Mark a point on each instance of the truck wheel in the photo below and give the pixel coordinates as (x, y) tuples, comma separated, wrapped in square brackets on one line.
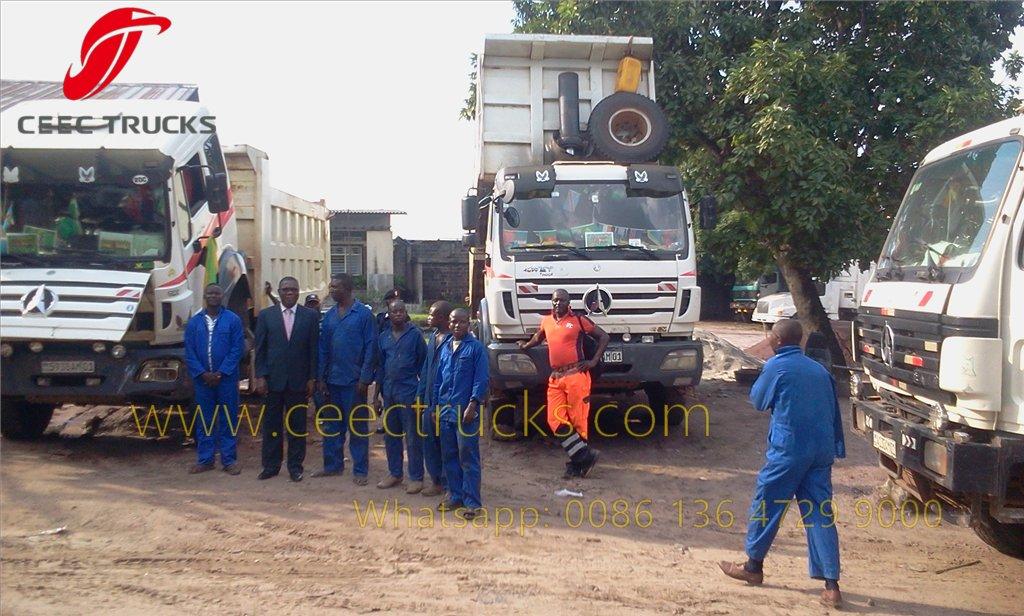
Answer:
[(507, 420), (659, 398), (1007, 538), (628, 127), (24, 421)]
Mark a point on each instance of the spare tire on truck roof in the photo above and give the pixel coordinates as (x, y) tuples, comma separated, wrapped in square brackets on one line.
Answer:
[(627, 127)]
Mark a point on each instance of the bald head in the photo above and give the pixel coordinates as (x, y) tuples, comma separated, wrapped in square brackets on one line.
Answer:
[(787, 332)]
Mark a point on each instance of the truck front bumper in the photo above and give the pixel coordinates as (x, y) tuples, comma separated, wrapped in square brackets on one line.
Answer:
[(670, 362), (966, 468), (63, 373)]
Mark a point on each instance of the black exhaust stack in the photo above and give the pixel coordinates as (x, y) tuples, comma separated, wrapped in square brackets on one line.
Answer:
[(569, 137)]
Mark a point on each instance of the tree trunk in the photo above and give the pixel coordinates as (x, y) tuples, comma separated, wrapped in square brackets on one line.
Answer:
[(809, 310)]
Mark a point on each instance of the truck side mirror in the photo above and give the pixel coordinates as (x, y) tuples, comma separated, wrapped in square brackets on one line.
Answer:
[(217, 193), (511, 216), (708, 209), (470, 212)]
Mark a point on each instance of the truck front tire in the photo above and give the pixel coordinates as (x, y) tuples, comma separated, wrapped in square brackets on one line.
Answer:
[(662, 399), (24, 421), (1006, 538)]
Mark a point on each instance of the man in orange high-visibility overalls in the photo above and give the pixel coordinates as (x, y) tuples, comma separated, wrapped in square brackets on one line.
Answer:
[(569, 384)]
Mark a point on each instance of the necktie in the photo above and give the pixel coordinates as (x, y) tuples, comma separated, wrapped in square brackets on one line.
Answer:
[(289, 318)]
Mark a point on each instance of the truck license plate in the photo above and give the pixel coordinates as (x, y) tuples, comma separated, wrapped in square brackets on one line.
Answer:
[(884, 444), (68, 367), (612, 357)]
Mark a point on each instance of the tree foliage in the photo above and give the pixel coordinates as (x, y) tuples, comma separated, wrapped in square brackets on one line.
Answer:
[(806, 119)]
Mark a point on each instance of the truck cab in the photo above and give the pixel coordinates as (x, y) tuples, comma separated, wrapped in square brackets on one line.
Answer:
[(109, 236), (940, 336), (569, 195), (622, 249)]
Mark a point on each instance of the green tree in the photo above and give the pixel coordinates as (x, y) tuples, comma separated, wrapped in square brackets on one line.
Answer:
[(806, 120)]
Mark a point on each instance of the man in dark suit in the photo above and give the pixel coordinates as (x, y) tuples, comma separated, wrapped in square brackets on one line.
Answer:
[(286, 361)]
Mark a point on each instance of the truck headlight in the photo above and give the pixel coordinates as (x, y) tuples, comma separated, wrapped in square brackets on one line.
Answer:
[(98, 347), (159, 371), (935, 457), (516, 363), (35, 346), (682, 359), (118, 351), (6, 350)]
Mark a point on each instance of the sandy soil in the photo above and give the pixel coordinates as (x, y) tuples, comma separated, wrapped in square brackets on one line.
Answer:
[(142, 536)]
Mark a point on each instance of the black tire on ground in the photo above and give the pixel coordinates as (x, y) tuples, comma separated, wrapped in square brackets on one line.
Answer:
[(661, 399), (24, 421), (1006, 538), (628, 127), (506, 421)]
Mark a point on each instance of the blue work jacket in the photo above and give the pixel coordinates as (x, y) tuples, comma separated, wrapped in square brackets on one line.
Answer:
[(425, 391), (462, 374), (399, 362), (228, 345), (347, 343), (806, 423)]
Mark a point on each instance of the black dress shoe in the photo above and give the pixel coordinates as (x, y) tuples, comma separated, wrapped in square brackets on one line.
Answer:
[(265, 474), (296, 477)]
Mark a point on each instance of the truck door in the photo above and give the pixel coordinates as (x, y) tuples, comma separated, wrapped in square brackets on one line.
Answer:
[(1013, 329)]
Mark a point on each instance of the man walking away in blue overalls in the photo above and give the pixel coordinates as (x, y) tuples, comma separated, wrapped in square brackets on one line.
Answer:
[(461, 390), (804, 437), (400, 355), (437, 320), (214, 344), (347, 339)]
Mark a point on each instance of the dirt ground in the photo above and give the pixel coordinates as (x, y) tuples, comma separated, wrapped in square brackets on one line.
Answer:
[(142, 536)]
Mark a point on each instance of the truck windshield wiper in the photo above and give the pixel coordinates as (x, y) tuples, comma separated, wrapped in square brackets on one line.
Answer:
[(894, 269), (934, 271), (650, 254), (574, 250)]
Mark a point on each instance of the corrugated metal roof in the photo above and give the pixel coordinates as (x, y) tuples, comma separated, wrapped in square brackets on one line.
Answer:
[(13, 92), (393, 212)]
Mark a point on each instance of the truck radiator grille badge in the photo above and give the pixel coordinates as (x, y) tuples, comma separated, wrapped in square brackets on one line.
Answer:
[(888, 341), (597, 300), (38, 301)]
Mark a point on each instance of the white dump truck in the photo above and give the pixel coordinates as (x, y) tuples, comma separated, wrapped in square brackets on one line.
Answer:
[(840, 296), (109, 236), (940, 336), (567, 195)]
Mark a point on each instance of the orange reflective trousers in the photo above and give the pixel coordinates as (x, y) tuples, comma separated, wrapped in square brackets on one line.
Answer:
[(569, 403)]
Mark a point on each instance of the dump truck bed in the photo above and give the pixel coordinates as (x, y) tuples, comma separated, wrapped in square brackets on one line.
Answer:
[(517, 90)]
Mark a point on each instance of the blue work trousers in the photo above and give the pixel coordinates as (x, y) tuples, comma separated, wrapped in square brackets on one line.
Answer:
[(216, 426), (780, 480), (460, 453), (401, 424), (346, 413)]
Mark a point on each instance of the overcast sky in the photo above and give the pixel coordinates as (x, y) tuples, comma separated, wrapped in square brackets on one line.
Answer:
[(356, 103)]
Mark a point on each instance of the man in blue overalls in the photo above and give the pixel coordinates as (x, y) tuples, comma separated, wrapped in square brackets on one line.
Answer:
[(347, 339), (400, 355), (437, 319), (461, 390), (804, 437), (214, 344)]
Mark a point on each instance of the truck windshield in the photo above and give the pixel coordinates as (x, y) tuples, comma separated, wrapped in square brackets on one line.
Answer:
[(57, 211), (949, 209), (596, 217)]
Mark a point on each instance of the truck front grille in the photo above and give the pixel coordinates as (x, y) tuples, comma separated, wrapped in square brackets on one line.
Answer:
[(902, 347)]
